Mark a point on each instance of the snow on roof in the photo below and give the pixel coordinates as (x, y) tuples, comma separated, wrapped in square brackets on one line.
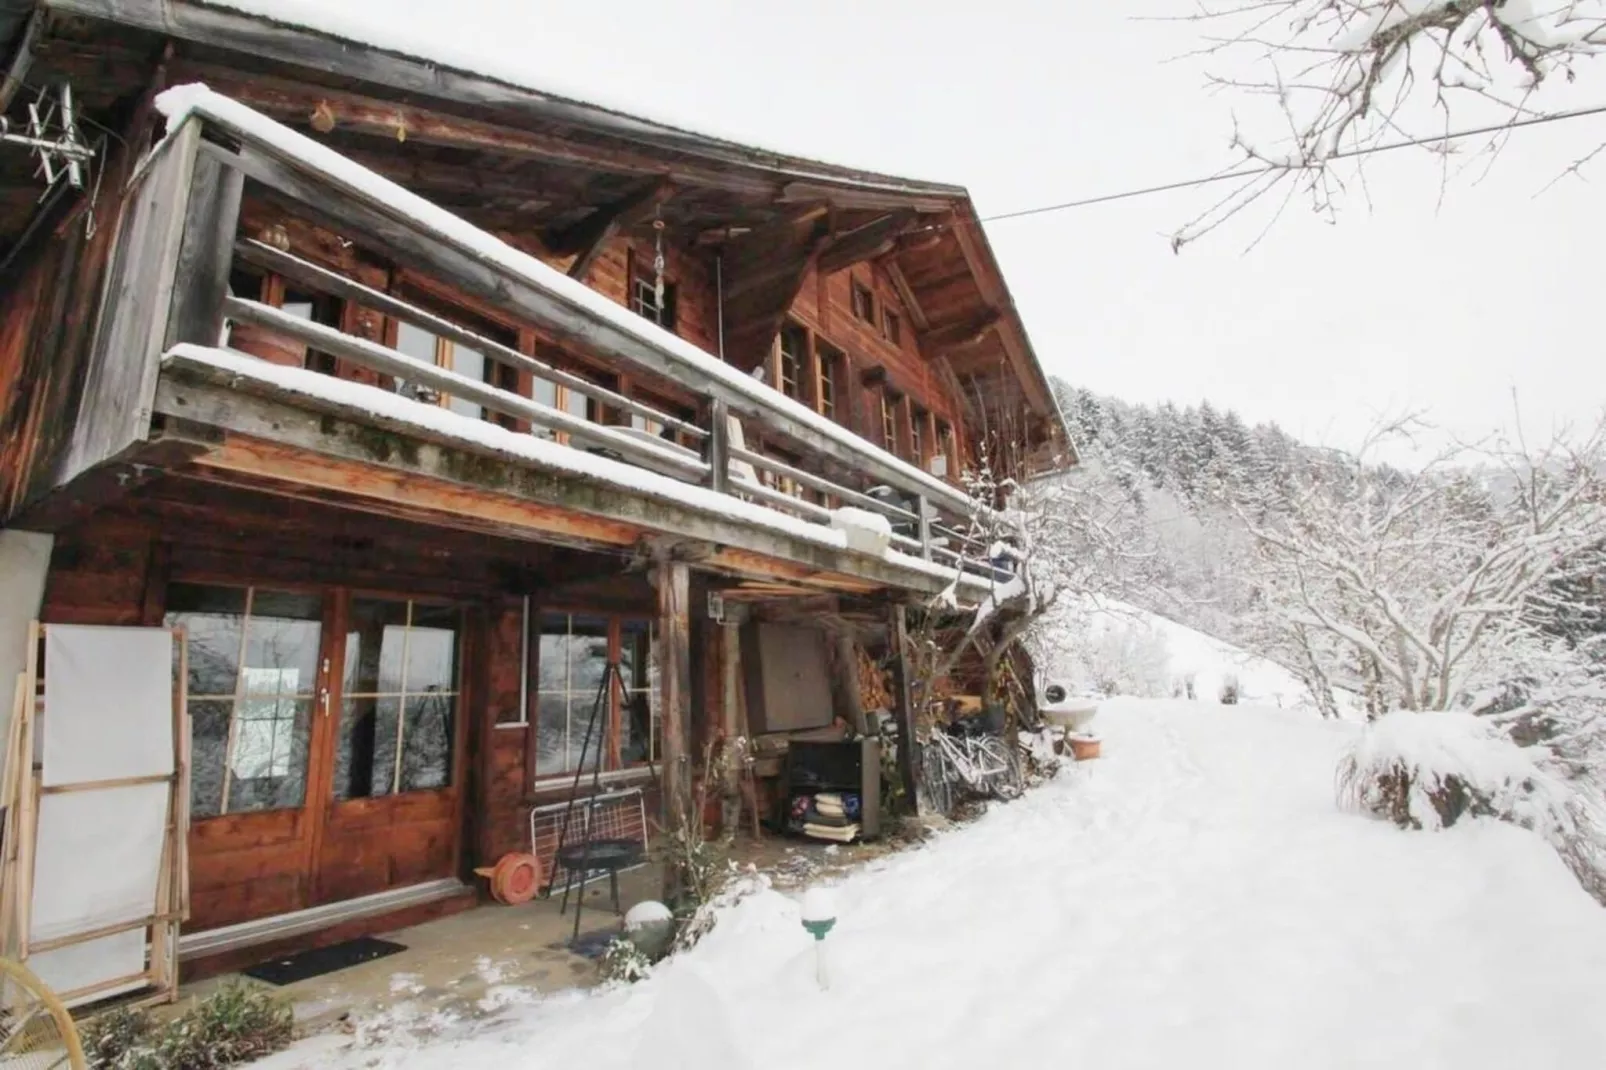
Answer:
[(181, 101), (482, 434), (491, 39)]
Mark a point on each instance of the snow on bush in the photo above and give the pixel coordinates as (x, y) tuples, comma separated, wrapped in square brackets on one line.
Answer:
[(1429, 770)]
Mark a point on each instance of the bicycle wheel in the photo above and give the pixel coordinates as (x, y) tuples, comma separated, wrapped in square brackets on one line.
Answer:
[(36, 1031)]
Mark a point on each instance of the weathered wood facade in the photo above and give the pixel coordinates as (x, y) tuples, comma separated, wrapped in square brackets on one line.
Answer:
[(271, 398)]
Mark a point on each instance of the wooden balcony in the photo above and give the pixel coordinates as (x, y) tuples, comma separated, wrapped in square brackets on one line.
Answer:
[(164, 389)]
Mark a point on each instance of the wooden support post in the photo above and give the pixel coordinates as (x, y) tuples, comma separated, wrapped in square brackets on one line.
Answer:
[(923, 526), (673, 654), (903, 703), (717, 447), (205, 253), (846, 666)]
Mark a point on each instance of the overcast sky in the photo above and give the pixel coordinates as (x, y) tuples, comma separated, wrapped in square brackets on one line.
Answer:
[(1402, 303)]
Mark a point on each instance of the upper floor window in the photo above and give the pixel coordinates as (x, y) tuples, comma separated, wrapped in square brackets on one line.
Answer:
[(790, 360), (891, 326), (889, 423), (430, 348), (917, 434), (645, 302), (942, 463), (863, 302), (828, 371)]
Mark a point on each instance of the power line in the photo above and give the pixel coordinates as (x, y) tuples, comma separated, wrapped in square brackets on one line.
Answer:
[(1266, 169)]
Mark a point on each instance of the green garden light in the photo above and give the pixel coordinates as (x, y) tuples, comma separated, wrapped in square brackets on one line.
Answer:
[(819, 917)]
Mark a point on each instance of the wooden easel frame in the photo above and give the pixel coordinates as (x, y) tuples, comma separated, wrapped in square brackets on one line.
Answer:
[(20, 794)]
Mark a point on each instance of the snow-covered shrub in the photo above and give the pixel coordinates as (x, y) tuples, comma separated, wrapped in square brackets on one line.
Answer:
[(1229, 690), (624, 962), (703, 919), (1430, 770), (1128, 659)]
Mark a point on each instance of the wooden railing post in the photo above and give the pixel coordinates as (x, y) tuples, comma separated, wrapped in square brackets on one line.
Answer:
[(716, 447), (923, 526), (205, 253)]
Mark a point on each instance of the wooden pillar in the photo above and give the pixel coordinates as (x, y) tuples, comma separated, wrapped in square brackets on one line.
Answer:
[(206, 252), (673, 655), (903, 706), (845, 664)]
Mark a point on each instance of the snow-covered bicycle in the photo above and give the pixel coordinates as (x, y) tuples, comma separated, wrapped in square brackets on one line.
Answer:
[(961, 764)]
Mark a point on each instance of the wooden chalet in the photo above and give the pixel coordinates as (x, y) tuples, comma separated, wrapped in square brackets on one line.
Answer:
[(444, 393)]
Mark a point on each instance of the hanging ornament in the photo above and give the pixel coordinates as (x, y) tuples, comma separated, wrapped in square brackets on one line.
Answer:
[(658, 262)]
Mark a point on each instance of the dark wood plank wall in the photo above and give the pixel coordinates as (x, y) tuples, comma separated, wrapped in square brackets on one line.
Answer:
[(47, 322), (114, 568)]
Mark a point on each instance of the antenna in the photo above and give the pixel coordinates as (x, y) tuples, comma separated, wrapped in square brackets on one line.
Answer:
[(52, 136)]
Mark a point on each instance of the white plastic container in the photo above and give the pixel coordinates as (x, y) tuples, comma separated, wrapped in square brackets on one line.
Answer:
[(1062, 709)]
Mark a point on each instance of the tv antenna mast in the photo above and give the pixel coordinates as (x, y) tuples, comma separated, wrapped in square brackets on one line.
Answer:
[(52, 136)]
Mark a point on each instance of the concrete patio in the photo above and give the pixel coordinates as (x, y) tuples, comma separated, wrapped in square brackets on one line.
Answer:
[(474, 963)]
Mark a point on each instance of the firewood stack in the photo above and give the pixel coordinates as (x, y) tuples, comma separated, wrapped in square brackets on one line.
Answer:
[(874, 691)]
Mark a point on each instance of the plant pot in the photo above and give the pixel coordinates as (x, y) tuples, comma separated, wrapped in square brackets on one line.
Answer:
[(1084, 748)]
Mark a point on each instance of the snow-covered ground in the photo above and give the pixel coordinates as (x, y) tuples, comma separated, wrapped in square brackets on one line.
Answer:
[(1146, 653), (1192, 898)]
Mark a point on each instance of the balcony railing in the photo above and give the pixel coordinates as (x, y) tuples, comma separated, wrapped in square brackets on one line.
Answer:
[(228, 143)]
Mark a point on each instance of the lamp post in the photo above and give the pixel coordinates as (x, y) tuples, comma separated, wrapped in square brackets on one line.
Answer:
[(819, 917)]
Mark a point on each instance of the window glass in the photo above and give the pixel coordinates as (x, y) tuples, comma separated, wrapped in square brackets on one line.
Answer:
[(573, 714), (399, 707), (253, 668)]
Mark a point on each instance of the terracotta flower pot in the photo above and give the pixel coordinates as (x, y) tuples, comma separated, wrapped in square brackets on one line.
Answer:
[(1084, 748)]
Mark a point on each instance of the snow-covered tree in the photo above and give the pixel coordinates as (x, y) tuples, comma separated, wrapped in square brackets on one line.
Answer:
[(1426, 581), (1345, 76)]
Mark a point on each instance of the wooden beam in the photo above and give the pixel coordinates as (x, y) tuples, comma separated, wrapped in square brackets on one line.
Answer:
[(587, 238), (906, 293), (766, 274), (294, 102), (888, 199), (672, 652), (863, 243), (333, 447), (942, 340)]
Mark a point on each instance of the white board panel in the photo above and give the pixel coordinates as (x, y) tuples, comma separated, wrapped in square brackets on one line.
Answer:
[(97, 859), (93, 962), (109, 703)]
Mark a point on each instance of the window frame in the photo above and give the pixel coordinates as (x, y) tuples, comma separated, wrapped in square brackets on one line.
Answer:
[(456, 695), (613, 767), (829, 364), (863, 302), (641, 283), (239, 694), (889, 422), (891, 326)]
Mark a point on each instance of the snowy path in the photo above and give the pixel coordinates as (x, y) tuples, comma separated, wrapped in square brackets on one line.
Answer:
[(1192, 898)]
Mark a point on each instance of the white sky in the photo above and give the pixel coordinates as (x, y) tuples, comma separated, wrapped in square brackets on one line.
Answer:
[(1321, 328)]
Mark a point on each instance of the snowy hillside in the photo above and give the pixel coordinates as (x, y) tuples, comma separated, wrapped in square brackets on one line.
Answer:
[(1192, 898), (1109, 645)]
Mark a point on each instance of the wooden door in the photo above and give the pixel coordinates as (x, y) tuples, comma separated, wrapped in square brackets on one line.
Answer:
[(326, 742), (393, 784), (259, 662)]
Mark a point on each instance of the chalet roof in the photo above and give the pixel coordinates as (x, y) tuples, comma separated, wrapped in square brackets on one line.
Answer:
[(506, 154)]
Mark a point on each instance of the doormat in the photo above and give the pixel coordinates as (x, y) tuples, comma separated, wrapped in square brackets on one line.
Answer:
[(322, 960)]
